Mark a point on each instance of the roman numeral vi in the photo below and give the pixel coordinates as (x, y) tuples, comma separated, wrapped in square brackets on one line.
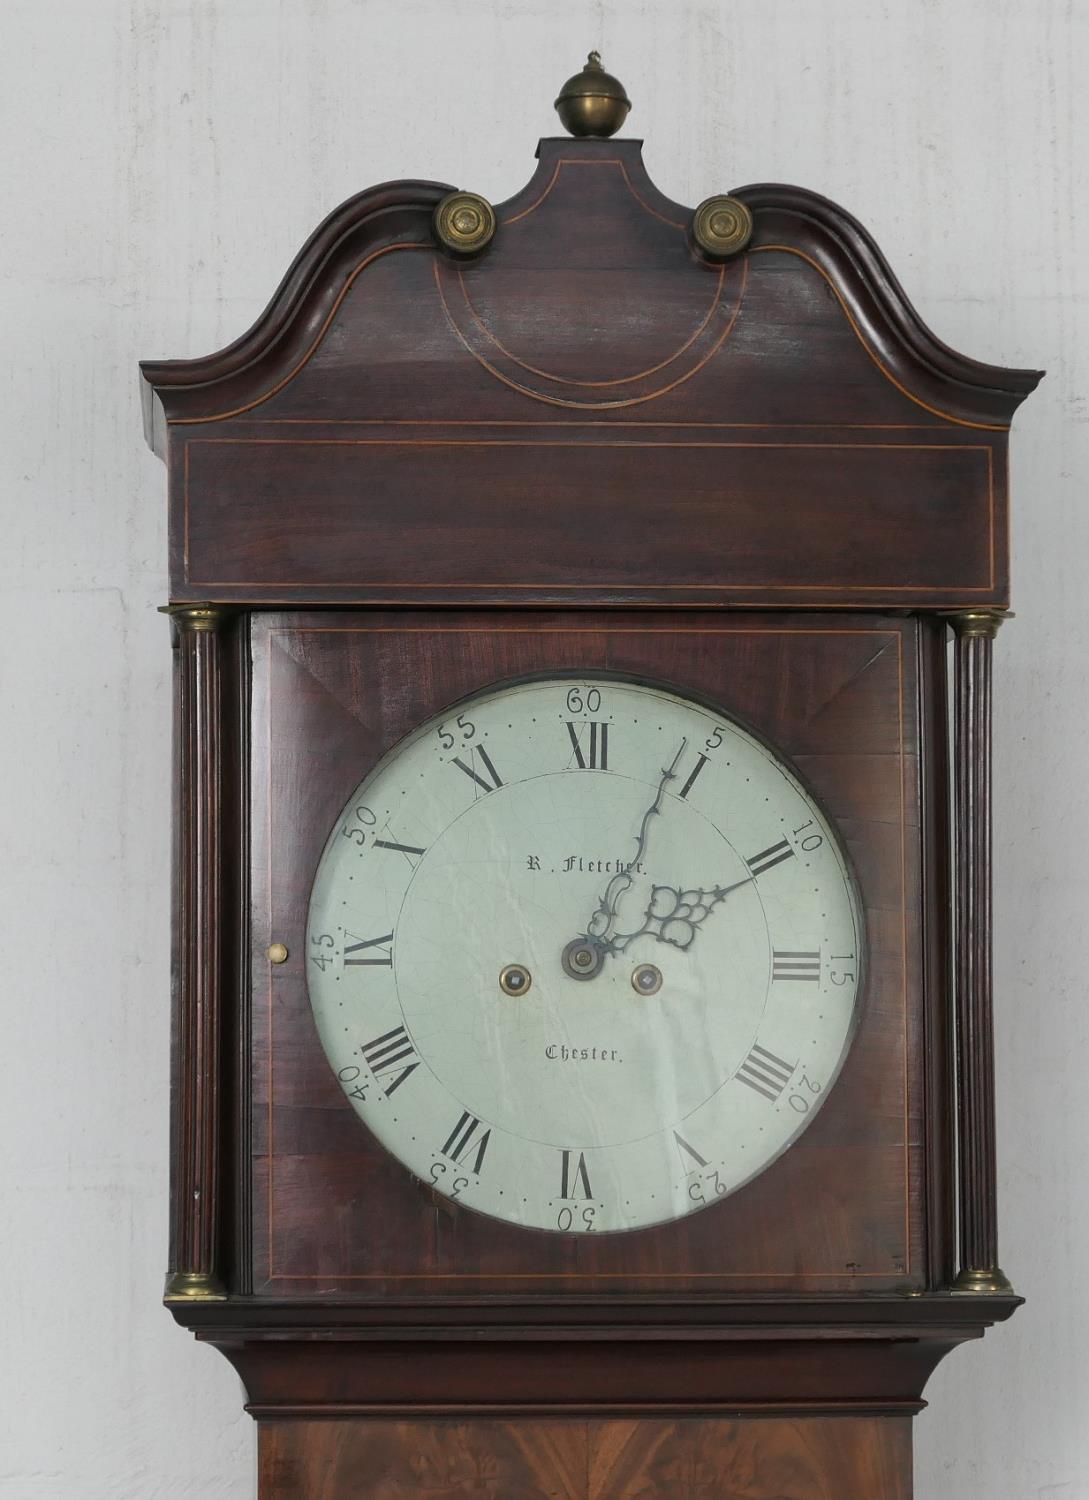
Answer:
[(575, 1182)]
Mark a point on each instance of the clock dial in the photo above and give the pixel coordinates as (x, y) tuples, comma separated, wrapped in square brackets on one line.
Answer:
[(584, 954)]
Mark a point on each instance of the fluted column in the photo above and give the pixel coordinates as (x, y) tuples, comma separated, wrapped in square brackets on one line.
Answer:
[(979, 1269), (195, 1101)]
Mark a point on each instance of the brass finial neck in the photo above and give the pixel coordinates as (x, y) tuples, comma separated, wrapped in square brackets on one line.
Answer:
[(593, 102)]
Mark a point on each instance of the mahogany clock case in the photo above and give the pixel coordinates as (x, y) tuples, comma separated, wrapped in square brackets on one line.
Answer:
[(859, 1202), (758, 479)]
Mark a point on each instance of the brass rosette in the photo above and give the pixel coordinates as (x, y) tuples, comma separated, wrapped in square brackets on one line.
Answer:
[(722, 226), (465, 223)]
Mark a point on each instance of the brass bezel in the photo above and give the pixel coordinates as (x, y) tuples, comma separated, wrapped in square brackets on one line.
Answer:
[(505, 975)]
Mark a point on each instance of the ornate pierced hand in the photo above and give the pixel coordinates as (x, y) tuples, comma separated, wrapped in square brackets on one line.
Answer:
[(673, 915)]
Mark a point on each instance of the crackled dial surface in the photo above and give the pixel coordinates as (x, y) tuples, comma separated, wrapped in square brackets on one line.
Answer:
[(584, 954)]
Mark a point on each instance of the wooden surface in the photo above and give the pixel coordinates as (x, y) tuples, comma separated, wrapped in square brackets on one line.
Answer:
[(846, 1209), (196, 1084), (188, 155), (581, 1363), (974, 998), (694, 1459), (589, 412)]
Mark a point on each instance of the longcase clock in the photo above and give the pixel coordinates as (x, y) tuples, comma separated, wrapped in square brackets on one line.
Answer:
[(582, 1047)]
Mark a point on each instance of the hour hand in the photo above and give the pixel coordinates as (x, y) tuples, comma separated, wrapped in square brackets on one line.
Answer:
[(674, 914), (605, 913)]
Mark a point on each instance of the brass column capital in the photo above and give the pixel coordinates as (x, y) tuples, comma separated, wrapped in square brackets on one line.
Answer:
[(188, 618), (977, 622)]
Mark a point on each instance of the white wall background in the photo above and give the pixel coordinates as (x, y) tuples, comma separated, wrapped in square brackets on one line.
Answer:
[(160, 163)]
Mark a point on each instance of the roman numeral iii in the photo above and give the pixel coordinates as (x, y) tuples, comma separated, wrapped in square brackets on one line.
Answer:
[(766, 1073), (790, 964), (388, 1057), (590, 742)]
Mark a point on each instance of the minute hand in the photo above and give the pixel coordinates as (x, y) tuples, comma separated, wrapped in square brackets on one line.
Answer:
[(604, 918)]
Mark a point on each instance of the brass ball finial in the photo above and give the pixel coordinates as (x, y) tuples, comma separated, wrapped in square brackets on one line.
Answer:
[(593, 102)]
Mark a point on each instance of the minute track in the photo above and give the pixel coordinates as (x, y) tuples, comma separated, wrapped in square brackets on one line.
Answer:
[(498, 864)]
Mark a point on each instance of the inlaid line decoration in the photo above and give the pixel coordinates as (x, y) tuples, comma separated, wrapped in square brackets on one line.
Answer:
[(319, 337), (864, 341), (603, 161), (693, 354), (662, 364), (549, 586), (237, 411)]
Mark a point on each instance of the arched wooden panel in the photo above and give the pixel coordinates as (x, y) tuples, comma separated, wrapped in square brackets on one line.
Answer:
[(589, 412)]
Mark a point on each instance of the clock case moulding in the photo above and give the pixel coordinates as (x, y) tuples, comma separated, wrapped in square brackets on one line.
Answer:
[(774, 430)]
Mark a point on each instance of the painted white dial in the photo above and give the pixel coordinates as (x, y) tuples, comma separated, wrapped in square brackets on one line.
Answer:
[(584, 954)]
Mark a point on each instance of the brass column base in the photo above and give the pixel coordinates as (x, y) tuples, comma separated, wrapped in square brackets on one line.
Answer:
[(193, 1286), (982, 1283)]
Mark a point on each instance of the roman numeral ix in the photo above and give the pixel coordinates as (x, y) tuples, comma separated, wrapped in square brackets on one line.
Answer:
[(384, 956)]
